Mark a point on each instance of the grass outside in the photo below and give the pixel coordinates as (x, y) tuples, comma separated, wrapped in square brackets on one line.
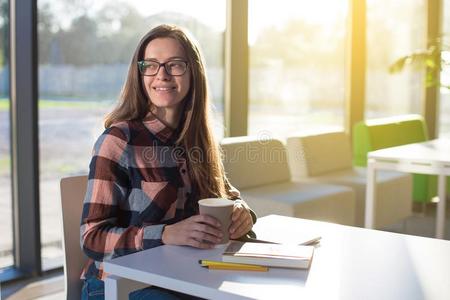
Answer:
[(5, 163), (4, 104), (44, 103)]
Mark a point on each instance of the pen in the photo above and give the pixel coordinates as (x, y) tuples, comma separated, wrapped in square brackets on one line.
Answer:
[(312, 242), (219, 265)]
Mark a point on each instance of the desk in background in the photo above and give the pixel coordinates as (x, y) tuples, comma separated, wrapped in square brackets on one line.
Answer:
[(432, 157)]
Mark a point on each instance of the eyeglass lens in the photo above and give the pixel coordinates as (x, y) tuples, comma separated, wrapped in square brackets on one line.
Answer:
[(172, 67)]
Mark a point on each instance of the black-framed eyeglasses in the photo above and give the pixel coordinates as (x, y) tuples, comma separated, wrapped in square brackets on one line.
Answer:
[(172, 67)]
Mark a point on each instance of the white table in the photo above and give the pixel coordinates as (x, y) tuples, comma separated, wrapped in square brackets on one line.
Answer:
[(432, 157), (350, 263)]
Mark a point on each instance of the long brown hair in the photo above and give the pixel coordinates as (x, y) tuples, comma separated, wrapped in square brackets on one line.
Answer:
[(195, 132)]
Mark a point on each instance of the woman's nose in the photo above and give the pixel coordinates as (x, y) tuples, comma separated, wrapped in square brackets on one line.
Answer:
[(162, 73)]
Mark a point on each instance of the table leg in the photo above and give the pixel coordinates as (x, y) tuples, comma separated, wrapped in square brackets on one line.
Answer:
[(119, 288), (370, 194), (440, 218), (112, 288)]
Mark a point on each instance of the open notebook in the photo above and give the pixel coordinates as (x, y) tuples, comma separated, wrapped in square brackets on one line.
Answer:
[(270, 255), (305, 240)]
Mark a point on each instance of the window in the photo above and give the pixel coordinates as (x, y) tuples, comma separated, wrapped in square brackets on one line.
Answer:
[(84, 51), (444, 104), (6, 242), (394, 29), (297, 66)]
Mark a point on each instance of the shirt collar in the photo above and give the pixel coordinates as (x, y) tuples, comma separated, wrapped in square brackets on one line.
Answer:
[(158, 128)]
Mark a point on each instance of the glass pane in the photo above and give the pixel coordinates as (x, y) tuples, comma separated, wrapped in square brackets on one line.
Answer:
[(85, 50), (444, 111), (6, 242), (297, 66), (394, 29)]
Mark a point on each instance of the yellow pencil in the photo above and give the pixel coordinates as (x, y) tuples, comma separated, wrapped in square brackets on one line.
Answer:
[(219, 265), (235, 268)]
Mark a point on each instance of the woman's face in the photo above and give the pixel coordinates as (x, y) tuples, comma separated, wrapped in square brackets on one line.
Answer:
[(165, 90)]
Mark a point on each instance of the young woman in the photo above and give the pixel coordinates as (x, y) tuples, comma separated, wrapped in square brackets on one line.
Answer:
[(155, 160)]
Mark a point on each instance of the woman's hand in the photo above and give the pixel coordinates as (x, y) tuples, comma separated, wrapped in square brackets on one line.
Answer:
[(241, 220), (200, 231)]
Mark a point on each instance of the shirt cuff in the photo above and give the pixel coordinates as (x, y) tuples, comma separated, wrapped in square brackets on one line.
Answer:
[(152, 236)]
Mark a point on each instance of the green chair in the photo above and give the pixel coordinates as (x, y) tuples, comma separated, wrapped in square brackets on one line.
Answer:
[(382, 133)]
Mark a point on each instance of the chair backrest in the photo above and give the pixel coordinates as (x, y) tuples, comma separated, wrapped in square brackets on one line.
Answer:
[(315, 155), (73, 190), (250, 162), (382, 133)]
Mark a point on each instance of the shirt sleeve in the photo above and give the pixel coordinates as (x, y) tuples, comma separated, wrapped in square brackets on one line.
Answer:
[(101, 234)]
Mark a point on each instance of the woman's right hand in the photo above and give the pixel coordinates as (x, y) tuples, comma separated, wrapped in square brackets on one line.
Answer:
[(199, 231)]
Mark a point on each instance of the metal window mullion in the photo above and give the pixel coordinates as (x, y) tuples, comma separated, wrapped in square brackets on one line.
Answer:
[(431, 101), (24, 135), (236, 68), (356, 64)]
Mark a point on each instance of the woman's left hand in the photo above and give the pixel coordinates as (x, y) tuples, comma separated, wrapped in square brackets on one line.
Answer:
[(241, 220)]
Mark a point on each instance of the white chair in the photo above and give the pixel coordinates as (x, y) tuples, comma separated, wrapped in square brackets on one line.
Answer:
[(259, 169), (326, 158), (73, 190)]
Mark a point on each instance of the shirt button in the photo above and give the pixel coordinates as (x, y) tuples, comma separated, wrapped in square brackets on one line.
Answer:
[(183, 171)]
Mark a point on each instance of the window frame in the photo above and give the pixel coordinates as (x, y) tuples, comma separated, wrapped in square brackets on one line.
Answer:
[(24, 140)]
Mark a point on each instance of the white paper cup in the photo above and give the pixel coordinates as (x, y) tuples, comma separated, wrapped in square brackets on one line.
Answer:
[(221, 209)]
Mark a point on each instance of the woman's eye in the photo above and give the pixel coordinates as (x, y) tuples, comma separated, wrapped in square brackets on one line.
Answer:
[(175, 65), (151, 66)]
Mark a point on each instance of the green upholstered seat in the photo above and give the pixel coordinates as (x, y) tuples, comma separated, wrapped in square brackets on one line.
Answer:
[(382, 133)]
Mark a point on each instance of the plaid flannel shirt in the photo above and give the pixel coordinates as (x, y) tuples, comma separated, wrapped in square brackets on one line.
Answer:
[(138, 182)]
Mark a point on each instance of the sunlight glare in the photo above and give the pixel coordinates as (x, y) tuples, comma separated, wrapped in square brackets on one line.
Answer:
[(264, 13)]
